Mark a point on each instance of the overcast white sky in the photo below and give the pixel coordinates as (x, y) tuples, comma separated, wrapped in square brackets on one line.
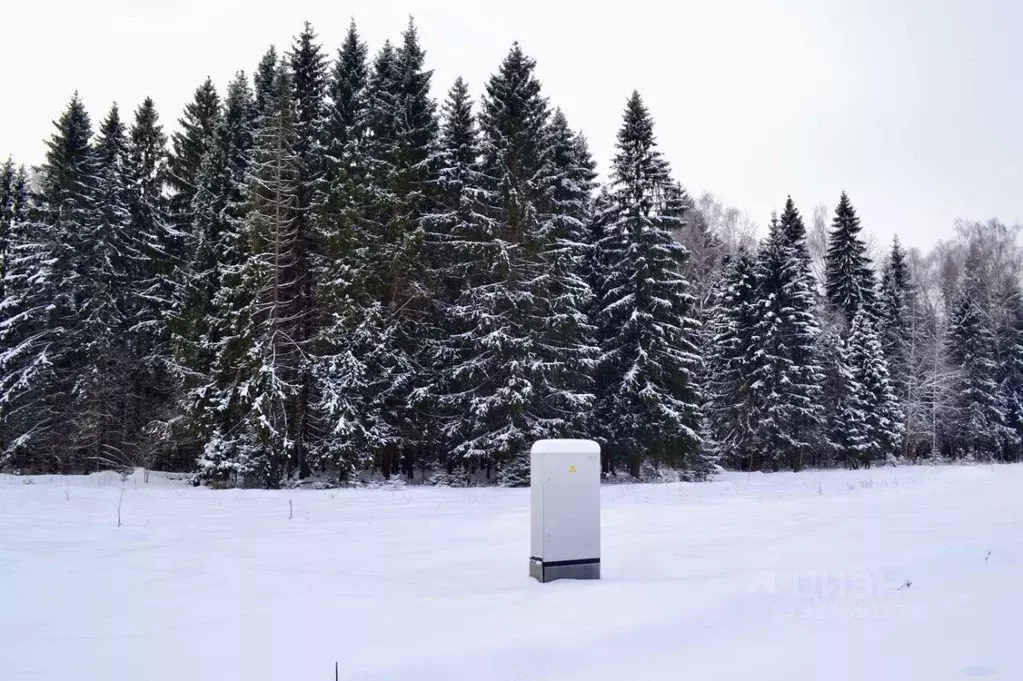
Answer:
[(915, 107)]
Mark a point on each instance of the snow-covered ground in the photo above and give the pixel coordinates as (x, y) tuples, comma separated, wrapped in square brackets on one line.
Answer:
[(907, 574)]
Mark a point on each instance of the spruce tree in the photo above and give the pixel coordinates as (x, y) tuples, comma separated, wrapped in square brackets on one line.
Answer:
[(13, 216), (401, 121), (268, 363), (13, 212), (500, 363), (6, 188), (352, 344), (188, 147), (974, 420), (570, 341), (347, 93), (348, 341), (162, 186), (455, 217), (575, 179), (850, 276), (896, 310), (844, 430), (358, 356), (309, 73), (41, 332), (650, 406), (597, 273), (22, 196), (729, 352), (6, 209), (208, 301), (787, 374), (876, 417), (794, 237), (1010, 372), (264, 81), (458, 179), (343, 164), (104, 405), (343, 159), (309, 68), (157, 247), (771, 366), (377, 124)]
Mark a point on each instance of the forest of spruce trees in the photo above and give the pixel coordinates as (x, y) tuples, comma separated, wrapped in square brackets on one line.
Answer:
[(324, 273)]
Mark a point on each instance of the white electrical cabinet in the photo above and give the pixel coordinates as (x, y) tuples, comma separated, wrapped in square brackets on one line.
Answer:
[(565, 488)]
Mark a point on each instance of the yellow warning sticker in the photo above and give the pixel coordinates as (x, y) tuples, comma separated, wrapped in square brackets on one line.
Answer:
[(571, 469)]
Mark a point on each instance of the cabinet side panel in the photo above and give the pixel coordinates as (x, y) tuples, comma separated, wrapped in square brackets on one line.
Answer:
[(536, 487)]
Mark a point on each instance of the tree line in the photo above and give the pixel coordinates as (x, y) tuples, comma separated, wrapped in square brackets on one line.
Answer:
[(323, 272)]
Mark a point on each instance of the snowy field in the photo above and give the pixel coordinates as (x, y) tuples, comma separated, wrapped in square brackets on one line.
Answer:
[(909, 574)]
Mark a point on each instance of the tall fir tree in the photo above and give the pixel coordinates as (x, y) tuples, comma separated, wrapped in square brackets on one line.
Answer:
[(158, 251), (343, 162), (455, 208), (849, 274), (360, 356), (1010, 371), (264, 81), (7, 170), (309, 69), (896, 306), (502, 371), (348, 421), (794, 237), (787, 374), (158, 248), (377, 124), (347, 93), (13, 213), (103, 427), (649, 403), (402, 123), (6, 214), (22, 196), (597, 267), (729, 410), (344, 167), (188, 147), (41, 333), (309, 73), (843, 430), (973, 421), (208, 300), (897, 324), (876, 416), (268, 361), (571, 337), (453, 220), (14, 204)]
